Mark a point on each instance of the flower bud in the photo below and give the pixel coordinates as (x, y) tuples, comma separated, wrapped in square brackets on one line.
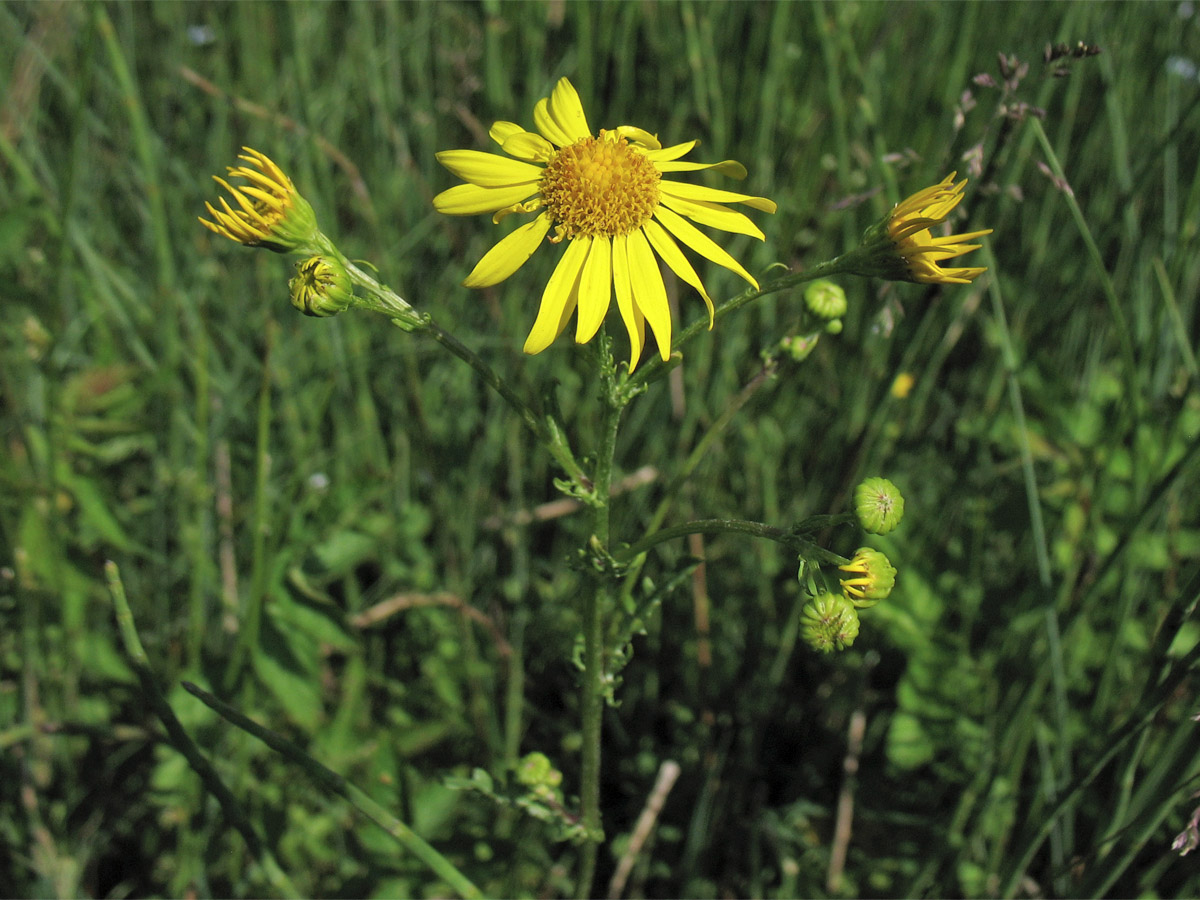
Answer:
[(825, 299), (901, 245), (829, 622), (871, 578), (322, 287), (270, 212), (878, 505)]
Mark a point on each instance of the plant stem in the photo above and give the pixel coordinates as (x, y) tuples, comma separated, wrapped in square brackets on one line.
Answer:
[(595, 606), (180, 740), (383, 299), (327, 778), (786, 536), (656, 367)]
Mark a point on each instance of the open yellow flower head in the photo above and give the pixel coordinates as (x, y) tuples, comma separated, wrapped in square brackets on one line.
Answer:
[(901, 247), (606, 196), (270, 211)]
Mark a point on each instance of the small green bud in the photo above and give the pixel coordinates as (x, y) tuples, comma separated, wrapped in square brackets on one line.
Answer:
[(825, 299), (878, 505), (799, 346), (833, 326), (322, 287), (536, 770), (871, 578), (829, 622)]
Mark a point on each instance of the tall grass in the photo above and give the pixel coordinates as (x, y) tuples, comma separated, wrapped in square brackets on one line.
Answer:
[(265, 482)]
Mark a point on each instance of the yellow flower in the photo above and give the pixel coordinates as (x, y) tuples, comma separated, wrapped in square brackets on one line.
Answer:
[(606, 195), (901, 247), (870, 578), (909, 228), (271, 212)]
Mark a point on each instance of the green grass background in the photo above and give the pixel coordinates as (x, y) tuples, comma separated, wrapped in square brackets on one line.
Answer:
[(1026, 690)]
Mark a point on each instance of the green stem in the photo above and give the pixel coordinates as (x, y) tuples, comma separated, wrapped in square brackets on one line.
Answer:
[(596, 604), (334, 782), (787, 536), (657, 367), (383, 299), (183, 743)]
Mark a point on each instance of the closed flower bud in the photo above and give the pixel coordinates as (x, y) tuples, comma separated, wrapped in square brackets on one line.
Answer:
[(829, 622), (322, 287), (878, 505), (825, 299), (870, 578)]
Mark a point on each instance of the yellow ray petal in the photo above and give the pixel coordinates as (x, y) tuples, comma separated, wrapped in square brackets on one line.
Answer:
[(673, 257), (554, 310), (548, 126), (635, 322), (502, 131), (700, 242), (528, 146), (595, 289), (649, 293), (567, 111), (712, 195), (715, 215), (730, 167), (644, 139), (509, 254), (488, 169), (470, 199), (674, 152)]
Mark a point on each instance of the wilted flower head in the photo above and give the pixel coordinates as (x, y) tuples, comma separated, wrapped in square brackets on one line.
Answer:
[(870, 577), (270, 211), (604, 194), (901, 246)]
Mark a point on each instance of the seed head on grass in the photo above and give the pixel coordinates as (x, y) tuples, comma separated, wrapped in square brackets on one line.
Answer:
[(606, 196), (271, 213)]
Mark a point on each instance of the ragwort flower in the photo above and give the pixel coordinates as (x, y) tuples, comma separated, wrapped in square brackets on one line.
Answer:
[(606, 196), (271, 213), (901, 246), (869, 578)]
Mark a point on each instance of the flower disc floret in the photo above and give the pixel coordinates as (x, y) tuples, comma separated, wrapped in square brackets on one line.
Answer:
[(600, 186)]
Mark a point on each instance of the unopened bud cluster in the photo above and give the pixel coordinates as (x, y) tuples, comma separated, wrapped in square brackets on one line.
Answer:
[(830, 621)]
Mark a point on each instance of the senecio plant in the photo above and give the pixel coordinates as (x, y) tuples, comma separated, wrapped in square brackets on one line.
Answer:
[(614, 201)]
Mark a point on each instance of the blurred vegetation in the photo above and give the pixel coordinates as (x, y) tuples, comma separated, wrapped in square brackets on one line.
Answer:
[(1024, 697)]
